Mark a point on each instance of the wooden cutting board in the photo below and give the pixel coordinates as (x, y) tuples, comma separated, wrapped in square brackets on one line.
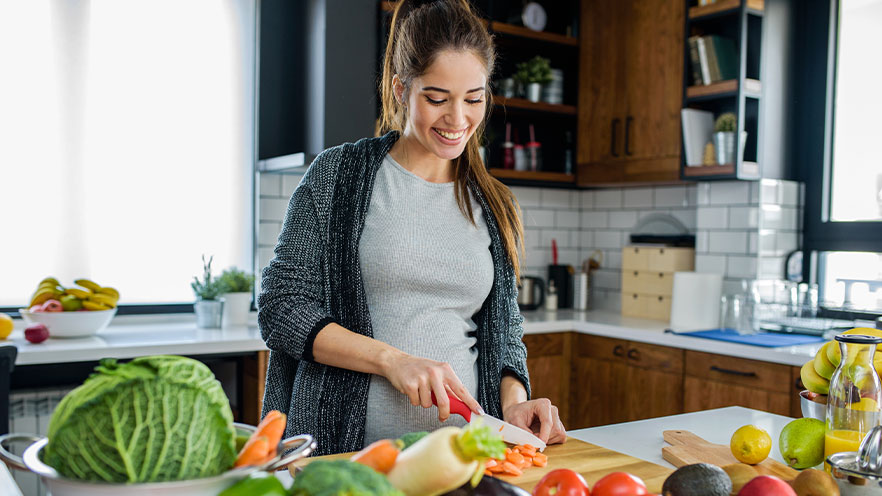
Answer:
[(686, 448), (593, 462)]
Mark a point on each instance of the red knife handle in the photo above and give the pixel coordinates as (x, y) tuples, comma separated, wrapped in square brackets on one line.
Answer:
[(456, 406)]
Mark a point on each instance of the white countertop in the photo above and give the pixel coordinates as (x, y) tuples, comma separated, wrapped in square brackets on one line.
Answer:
[(132, 336), (614, 325)]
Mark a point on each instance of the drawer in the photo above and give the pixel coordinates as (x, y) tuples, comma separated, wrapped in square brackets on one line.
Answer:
[(653, 356), (601, 348), (671, 259), (646, 282), (540, 345), (644, 306), (635, 258), (740, 371)]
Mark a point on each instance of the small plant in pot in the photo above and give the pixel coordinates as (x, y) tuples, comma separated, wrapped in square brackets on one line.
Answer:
[(236, 287), (208, 306), (724, 138), (532, 74)]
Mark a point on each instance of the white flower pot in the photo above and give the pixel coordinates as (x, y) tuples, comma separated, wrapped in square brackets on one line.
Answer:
[(534, 92), (208, 313), (236, 308)]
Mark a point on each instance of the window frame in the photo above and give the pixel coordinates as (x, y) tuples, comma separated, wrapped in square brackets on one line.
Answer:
[(815, 69)]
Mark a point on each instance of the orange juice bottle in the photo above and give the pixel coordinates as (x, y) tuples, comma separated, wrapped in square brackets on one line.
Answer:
[(854, 404)]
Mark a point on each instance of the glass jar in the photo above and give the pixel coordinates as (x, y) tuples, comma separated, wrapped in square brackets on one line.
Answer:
[(854, 404)]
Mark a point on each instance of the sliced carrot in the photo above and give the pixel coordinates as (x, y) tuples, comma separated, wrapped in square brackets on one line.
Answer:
[(491, 462), (380, 455), (510, 469), (540, 460), (496, 469), (527, 463), (528, 451), (515, 458), (488, 473), (507, 451), (529, 447)]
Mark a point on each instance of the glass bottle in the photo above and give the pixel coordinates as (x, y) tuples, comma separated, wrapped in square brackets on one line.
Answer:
[(854, 404)]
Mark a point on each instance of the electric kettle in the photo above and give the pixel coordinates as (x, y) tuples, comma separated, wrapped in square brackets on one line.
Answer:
[(528, 299)]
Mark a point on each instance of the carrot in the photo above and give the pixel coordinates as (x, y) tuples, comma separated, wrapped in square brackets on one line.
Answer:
[(540, 460), (515, 458), (528, 450), (510, 469), (270, 430), (380, 455), (487, 472), (491, 462)]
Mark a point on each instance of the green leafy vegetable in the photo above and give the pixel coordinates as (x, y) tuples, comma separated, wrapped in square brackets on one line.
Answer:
[(341, 478), (411, 437), (159, 418), (256, 484), (477, 442)]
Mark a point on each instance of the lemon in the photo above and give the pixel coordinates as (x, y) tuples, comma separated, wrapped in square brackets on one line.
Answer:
[(5, 326), (750, 444), (865, 405)]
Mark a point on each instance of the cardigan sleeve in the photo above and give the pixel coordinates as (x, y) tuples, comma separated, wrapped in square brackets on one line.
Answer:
[(514, 358), (290, 306)]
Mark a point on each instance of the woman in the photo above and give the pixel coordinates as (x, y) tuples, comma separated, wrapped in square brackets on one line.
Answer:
[(394, 278)]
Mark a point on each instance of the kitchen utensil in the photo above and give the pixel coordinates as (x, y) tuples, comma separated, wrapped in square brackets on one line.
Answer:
[(580, 291), (70, 324), (735, 314), (592, 461), (531, 294), (812, 409), (866, 462), (694, 301), (57, 485), (553, 251), (510, 433), (686, 449)]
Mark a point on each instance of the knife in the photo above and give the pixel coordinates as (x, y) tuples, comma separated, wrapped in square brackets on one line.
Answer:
[(510, 433)]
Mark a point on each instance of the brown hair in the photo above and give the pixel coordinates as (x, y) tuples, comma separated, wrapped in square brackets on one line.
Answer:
[(420, 31)]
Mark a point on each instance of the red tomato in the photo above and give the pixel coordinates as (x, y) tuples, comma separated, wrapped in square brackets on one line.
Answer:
[(620, 484), (562, 482)]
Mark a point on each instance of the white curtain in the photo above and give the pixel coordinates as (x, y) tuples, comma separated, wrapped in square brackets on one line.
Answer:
[(126, 143)]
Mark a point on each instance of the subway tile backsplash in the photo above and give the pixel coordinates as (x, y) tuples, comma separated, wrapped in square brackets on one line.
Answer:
[(743, 229)]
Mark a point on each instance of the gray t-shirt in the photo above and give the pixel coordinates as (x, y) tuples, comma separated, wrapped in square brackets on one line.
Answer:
[(427, 270)]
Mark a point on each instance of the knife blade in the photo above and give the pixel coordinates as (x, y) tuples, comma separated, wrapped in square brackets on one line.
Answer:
[(510, 433)]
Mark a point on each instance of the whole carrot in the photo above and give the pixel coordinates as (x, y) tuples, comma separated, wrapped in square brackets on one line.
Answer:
[(261, 446), (380, 455)]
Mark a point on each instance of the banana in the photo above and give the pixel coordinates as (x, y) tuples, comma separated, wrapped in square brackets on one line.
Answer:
[(812, 381), (51, 280), (94, 305), (109, 291), (79, 293), (103, 299), (42, 295), (87, 284)]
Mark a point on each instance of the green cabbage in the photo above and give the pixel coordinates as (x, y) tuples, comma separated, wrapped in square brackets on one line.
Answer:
[(159, 418)]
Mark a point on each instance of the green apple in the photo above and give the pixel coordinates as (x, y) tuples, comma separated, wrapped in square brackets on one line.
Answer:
[(71, 303)]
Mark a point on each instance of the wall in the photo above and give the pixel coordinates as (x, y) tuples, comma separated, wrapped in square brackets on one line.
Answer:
[(743, 230)]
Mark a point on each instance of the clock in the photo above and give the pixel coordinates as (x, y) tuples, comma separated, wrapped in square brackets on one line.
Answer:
[(534, 16)]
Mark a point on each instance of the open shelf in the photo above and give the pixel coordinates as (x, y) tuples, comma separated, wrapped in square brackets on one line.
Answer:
[(521, 103), (552, 177), (752, 89), (512, 30), (724, 7)]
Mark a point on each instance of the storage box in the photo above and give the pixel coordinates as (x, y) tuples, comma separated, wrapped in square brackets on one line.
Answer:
[(648, 279)]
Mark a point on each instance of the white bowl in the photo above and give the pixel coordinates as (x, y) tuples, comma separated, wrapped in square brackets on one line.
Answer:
[(70, 324)]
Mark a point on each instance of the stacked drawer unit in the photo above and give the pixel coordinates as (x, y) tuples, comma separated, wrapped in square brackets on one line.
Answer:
[(648, 279)]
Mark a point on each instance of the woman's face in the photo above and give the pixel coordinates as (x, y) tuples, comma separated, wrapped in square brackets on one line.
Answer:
[(446, 105)]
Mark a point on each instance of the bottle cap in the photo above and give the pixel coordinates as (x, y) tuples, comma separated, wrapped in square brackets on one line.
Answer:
[(858, 339)]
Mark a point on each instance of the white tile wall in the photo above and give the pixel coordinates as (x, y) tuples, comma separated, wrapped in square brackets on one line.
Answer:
[(735, 236)]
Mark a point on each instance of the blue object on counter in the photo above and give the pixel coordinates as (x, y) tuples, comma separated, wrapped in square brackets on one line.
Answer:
[(765, 339)]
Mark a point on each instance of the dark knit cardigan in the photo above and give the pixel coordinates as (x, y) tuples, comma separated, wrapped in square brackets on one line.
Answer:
[(315, 279)]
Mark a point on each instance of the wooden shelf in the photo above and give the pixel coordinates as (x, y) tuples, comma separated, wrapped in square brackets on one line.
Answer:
[(752, 88), (511, 29), (551, 177), (722, 6), (521, 103), (709, 170)]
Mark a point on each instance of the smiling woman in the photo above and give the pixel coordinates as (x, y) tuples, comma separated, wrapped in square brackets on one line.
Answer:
[(126, 143)]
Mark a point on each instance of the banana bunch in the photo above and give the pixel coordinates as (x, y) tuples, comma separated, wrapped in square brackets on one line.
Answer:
[(89, 295), (816, 373)]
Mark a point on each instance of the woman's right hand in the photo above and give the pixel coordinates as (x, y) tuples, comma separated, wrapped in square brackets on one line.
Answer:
[(418, 378)]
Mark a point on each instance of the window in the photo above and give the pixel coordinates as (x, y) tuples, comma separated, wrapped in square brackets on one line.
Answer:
[(844, 180), (126, 143)]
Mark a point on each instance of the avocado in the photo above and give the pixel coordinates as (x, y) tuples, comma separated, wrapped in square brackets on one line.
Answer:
[(700, 479)]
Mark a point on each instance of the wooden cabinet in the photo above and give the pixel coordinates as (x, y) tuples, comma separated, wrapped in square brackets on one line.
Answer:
[(549, 364), (631, 71), (716, 381), (620, 381)]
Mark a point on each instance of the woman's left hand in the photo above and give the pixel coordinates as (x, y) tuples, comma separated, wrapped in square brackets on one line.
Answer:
[(538, 416)]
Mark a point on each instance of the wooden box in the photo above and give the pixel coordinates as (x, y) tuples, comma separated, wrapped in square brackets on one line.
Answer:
[(648, 279)]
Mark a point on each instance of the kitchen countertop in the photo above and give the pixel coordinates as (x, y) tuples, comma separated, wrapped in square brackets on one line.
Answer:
[(132, 336)]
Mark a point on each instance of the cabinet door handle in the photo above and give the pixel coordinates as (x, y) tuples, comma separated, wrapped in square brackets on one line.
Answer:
[(619, 351), (798, 384), (732, 372), (633, 354), (612, 140), (628, 135)]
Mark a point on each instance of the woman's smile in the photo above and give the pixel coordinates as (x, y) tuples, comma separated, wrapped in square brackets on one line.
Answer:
[(449, 137)]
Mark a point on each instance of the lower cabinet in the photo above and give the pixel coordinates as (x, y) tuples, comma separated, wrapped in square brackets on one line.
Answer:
[(548, 361)]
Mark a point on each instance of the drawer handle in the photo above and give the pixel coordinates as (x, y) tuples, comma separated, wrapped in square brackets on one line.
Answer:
[(661, 274), (660, 298), (733, 372), (635, 273), (633, 354), (798, 384), (619, 351)]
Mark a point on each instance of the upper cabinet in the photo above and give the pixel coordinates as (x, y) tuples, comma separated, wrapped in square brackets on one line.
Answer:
[(630, 91)]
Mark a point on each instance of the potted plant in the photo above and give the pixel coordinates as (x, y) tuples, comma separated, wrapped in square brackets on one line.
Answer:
[(532, 74), (208, 306), (724, 138), (236, 287)]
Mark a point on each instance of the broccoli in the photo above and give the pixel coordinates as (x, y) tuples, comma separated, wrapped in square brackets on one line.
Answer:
[(412, 437), (341, 478)]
